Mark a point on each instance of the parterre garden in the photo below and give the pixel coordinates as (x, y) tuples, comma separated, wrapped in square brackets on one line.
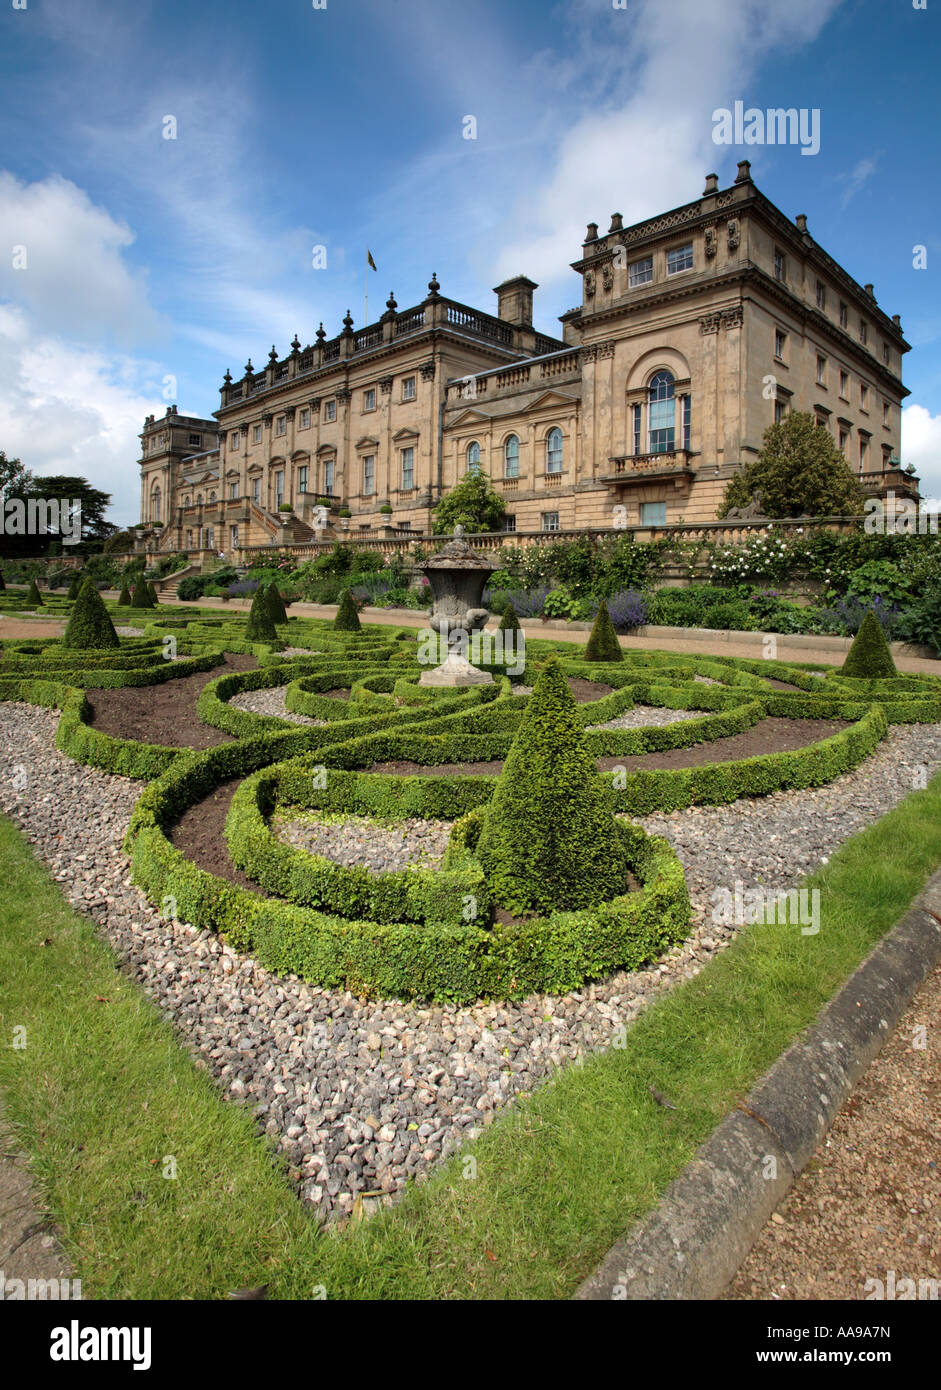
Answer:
[(547, 881)]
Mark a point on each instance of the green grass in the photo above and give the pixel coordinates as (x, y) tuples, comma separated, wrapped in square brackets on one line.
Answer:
[(103, 1092)]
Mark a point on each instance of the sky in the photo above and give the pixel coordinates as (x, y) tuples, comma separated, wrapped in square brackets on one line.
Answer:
[(153, 264)]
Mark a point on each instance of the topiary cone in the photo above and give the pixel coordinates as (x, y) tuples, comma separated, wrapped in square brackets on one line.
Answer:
[(89, 625), (152, 595), (140, 597), (33, 596), (347, 618), (550, 839), (260, 626), (276, 603), (509, 622), (124, 597), (3, 583), (869, 657), (603, 644), (75, 585)]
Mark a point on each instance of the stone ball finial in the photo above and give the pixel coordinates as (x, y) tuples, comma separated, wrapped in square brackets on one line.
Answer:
[(273, 354), (321, 333), (459, 532), (433, 285)]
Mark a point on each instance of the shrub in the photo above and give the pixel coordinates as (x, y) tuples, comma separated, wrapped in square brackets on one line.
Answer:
[(347, 618), (549, 837), (190, 587), (89, 624), (921, 621), (140, 598), (33, 596), (509, 622), (560, 603), (869, 657), (627, 610), (74, 588), (154, 597), (3, 583), (242, 588), (260, 626), (603, 644), (124, 597), (276, 604)]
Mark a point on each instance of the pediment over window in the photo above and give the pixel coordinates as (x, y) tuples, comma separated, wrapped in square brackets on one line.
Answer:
[(367, 442), (469, 417), (550, 400), (405, 434)]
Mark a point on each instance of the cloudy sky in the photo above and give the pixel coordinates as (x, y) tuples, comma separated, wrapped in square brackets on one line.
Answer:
[(153, 264)]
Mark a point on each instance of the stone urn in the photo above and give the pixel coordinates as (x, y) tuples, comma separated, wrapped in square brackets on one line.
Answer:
[(457, 575)]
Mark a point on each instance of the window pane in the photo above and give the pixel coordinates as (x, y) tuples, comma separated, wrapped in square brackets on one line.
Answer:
[(641, 272), (653, 513), (680, 258), (554, 451), (511, 455)]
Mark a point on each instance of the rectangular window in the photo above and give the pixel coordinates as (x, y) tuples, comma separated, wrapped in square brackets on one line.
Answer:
[(189, 540), (863, 332), (405, 526), (329, 410), (408, 468), (653, 513), (210, 538), (780, 343), (509, 523), (328, 471), (821, 295), (369, 399), (408, 388), (680, 258), (233, 491), (844, 315), (863, 397), (256, 434), (845, 385), (780, 265), (256, 489), (640, 273), (638, 433), (234, 440), (196, 440), (821, 371), (661, 416), (305, 419), (885, 413), (844, 440), (687, 420), (780, 410), (886, 354), (279, 488), (863, 452), (302, 478), (281, 425), (369, 475), (234, 536), (550, 521)]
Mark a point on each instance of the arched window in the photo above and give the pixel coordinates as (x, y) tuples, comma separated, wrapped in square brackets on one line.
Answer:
[(473, 457), (511, 457), (155, 504), (199, 499), (661, 414), (554, 451), (188, 501), (212, 497)]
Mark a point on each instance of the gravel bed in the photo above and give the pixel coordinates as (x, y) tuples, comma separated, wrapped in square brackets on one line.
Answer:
[(271, 701), (648, 717), (360, 840), (362, 1095), (129, 631)]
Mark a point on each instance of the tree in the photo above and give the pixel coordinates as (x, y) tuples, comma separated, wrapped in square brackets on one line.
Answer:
[(89, 624), (347, 618), (549, 838), (33, 597), (473, 504), (509, 622), (276, 603), (603, 644), (94, 503), (799, 472)]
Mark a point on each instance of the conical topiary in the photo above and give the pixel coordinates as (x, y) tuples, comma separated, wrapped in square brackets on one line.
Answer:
[(124, 597), (869, 657), (152, 592), (276, 603), (89, 624), (33, 596), (549, 838), (509, 621), (260, 626), (347, 618), (140, 597), (75, 585), (603, 644)]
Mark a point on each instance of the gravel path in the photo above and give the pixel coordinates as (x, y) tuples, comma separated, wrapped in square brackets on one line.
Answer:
[(869, 1201), (648, 717), (271, 701), (363, 1095), (360, 840)]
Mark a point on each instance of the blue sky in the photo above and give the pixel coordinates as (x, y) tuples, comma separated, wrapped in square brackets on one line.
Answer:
[(150, 258)]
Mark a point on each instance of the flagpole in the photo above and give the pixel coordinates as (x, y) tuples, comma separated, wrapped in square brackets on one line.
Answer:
[(366, 295)]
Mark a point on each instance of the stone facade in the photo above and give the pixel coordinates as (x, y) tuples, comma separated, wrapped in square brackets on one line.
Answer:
[(695, 331)]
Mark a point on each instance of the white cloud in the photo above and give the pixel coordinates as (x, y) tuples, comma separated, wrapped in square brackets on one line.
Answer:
[(857, 178), (648, 145), (75, 279), (921, 445)]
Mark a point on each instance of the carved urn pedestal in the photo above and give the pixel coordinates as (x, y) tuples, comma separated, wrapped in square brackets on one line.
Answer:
[(457, 575)]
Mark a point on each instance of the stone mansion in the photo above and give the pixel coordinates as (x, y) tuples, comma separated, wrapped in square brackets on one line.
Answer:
[(695, 331)]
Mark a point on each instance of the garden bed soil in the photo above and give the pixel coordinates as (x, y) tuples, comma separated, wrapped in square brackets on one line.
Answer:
[(164, 714), (768, 736), (199, 835)]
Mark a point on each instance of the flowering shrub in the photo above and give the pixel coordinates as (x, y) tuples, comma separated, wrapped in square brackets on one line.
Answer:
[(627, 610), (767, 555)]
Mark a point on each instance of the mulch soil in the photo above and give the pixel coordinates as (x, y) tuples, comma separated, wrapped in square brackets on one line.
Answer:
[(199, 835), (768, 736), (164, 714)]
